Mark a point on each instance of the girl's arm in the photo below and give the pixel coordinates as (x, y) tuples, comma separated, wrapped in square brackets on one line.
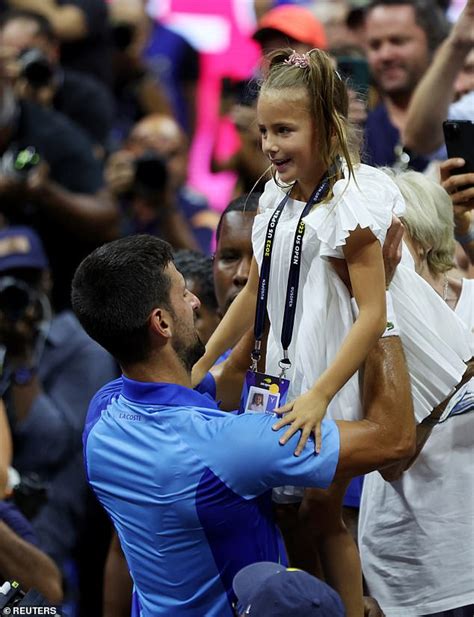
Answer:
[(363, 255), (237, 320)]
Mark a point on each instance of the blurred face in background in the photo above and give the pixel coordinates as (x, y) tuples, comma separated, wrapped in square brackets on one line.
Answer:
[(397, 49), (206, 318), (23, 33), (465, 80), (233, 257), (163, 135)]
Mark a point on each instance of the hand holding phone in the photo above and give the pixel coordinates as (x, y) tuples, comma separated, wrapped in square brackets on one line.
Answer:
[(459, 138), (459, 185)]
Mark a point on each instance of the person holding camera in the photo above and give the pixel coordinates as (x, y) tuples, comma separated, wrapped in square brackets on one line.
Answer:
[(148, 177), (50, 370), (82, 28), (50, 180), (34, 48)]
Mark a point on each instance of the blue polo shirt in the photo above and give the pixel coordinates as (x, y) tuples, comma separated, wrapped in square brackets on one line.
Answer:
[(188, 489)]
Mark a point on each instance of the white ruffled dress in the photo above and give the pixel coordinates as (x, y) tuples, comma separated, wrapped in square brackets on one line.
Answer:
[(435, 340)]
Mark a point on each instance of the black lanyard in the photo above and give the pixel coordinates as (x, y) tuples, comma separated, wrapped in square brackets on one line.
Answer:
[(293, 276)]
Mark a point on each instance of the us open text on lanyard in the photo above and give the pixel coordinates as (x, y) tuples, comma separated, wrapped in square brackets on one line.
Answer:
[(317, 196)]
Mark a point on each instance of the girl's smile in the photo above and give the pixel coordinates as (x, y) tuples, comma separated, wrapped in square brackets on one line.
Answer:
[(289, 137)]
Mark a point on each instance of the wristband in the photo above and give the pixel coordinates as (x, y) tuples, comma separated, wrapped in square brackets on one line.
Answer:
[(391, 329)]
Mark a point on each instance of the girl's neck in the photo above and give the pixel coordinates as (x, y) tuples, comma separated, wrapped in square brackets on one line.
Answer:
[(302, 191)]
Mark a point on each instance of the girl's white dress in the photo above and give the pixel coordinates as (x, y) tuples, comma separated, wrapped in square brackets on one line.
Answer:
[(435, 340)]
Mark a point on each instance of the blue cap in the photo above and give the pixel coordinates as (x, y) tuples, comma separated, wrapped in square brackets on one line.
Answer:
[(267, 589), (21, 247)]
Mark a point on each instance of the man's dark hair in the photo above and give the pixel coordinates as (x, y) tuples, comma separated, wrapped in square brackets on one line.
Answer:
[(428, 16), (115, 289), (45, 28), (197, 267), (245, 203)]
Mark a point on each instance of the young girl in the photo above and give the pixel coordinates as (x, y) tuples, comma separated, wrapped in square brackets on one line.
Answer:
[(302, 116)]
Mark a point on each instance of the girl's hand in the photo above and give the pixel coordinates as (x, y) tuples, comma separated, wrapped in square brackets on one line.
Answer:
[(304, 413)]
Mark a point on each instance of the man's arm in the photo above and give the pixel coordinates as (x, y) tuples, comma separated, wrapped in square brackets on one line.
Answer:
[(387, 432), (423, 131), (117, 582), (23, 562)]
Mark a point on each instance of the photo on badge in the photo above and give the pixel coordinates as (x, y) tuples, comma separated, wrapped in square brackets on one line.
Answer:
[(257, 400), (263, 393)]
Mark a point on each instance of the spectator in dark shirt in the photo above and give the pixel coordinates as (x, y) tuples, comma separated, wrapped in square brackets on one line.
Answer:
[(402, 36), (84, 99), (63, 195), (51, 370)]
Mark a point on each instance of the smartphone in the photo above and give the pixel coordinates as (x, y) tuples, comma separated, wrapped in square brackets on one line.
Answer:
[(459, 138), (356, 70)]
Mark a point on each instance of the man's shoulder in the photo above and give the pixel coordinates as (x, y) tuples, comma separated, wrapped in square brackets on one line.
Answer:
[(107, 393), (101, 399)]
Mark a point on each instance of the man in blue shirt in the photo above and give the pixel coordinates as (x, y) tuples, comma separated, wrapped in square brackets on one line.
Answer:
[(186, 485)]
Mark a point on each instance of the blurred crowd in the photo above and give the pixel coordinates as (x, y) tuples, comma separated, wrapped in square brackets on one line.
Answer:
[(115, 120)]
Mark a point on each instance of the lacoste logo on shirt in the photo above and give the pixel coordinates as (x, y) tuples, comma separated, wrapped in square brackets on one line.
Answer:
[(130, 416)]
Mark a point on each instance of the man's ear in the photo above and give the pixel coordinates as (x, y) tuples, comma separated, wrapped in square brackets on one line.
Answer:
[(160, 323)]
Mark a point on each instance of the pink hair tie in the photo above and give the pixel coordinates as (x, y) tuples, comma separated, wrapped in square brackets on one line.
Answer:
[(300, 60)]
